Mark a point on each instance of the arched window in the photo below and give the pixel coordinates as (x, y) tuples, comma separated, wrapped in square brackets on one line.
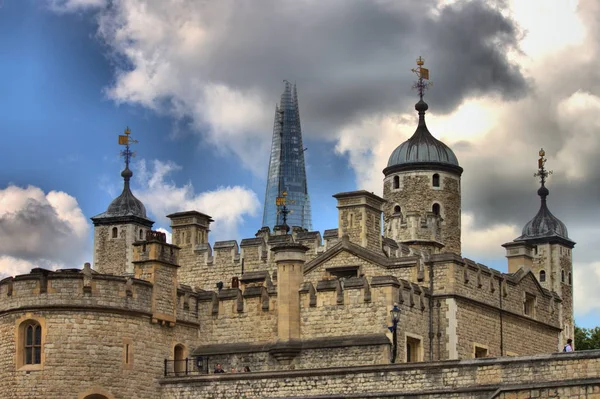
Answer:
[(32, 348), (562, 276), (542, 276), (435, 209), (179, 358), (570, 281), (397, 209), (396, 181), (436, 180), (141, 234), (115, 232)]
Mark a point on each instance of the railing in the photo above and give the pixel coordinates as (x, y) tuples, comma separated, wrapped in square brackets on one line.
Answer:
[(181, 367)]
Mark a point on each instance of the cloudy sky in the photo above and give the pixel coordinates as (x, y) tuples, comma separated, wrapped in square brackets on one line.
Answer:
[(197, 83)]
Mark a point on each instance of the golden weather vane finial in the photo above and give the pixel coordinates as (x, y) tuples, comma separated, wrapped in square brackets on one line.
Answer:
[(542, 173), (422, 74), (126, 140)]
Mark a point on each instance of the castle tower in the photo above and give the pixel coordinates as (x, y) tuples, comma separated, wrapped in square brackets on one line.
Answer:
[(156, 261), (190, 233), (287, 171), (544, 248), (422, 188), (359, 217), (123, 223)]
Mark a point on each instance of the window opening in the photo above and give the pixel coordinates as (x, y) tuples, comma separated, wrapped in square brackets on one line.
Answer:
[(33, 344), (436, 180), (480, 352)]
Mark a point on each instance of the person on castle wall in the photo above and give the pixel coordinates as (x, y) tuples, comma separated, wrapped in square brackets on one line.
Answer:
[(218, 369), (233, 370), (246, 369), (569, 346)]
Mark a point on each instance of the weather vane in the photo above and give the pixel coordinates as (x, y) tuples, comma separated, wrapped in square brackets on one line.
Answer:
[(282, 203), (423, 74), (542, 173), (126, 140)]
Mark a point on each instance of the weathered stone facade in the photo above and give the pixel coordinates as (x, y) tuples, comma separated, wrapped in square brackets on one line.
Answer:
[(410, 212), (573, 375), (309, 315)]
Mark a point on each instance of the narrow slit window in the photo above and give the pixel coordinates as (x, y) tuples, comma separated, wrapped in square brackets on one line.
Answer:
[(436, 180)]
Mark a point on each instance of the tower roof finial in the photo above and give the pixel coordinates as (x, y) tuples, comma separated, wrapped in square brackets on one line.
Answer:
[(127, 153), (543, 174), (422, 74)]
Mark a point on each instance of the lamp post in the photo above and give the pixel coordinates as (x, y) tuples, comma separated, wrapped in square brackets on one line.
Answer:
[(395, 313)]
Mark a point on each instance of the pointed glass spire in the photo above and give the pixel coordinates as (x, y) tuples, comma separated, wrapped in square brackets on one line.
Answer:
[(287, 173)]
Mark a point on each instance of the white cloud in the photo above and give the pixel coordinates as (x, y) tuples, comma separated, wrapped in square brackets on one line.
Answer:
[(228, 206), (578, 117), (485, 242), (40, 230), (586, 280)]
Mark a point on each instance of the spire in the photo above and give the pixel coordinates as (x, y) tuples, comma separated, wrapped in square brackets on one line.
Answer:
[(286, 198), (544, 225), (543, 174), (125, 205), (420, 85)]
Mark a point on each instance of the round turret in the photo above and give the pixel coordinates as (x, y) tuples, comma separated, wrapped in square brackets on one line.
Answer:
[(422, 190)]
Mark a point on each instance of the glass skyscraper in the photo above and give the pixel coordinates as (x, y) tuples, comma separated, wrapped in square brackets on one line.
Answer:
[(287, 173)]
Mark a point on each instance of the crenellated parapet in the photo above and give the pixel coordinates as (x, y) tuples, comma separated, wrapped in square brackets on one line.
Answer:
[(519, 294), (75, 288)]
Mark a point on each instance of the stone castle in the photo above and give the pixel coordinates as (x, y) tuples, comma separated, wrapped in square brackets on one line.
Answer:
[(308, 314)]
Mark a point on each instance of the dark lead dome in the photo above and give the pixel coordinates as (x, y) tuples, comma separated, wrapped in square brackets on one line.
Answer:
[(422, 148), (544, 224), (125, 206)]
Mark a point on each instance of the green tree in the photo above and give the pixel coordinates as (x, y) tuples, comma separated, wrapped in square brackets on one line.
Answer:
[(587, 338)]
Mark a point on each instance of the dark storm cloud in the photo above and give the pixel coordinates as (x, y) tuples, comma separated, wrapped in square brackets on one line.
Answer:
[(35, 231), (353, 58)]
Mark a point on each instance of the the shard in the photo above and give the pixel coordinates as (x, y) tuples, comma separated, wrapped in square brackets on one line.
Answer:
[(287, 172)]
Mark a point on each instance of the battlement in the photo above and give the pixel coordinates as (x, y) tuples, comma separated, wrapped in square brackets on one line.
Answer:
[(518, 293), (85, 288), (75, 288), (205, 266)]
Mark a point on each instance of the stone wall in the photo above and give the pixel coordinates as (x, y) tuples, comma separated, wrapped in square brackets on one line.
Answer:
[(577, 374), (230, 317), (110, 253), (84, 350)]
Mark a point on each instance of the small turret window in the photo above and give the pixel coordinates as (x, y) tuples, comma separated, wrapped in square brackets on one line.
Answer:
[(570, 281), (542, 276), (435, 180), (141, 234), (115, 232), (396, 181), (397, 209), (562, 276), (435, 209)]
